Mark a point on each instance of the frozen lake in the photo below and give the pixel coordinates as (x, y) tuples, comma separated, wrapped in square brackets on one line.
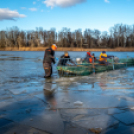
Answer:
[(105, 99)]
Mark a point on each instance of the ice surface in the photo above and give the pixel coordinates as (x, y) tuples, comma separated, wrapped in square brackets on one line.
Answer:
[(120, 130), (15, 128), (25, 96), (96, 123), (74, 111), (6, 97), (23, 104), (127, 117), (18, 91), (75, 130), (49, 122), (4, 122), (112, 111), (126, 98), (50, 86), (78, 103), (78, 117), (89, 100)]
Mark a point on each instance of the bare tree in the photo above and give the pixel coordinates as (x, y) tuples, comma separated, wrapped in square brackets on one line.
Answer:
[(21, 40), (97, 37), (78, 36), (2, 39), (104, 39), (119, 36)]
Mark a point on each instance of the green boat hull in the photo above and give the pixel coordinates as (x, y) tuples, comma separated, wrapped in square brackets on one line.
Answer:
[(86, 68)]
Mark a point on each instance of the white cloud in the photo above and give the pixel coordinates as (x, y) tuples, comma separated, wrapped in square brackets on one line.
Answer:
[(6, 14), (107, 1), (62, 3), (42, 10), (23, 8), (33, 9), (34, 2)]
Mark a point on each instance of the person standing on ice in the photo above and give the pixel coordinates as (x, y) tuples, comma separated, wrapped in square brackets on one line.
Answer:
[(48, 60)]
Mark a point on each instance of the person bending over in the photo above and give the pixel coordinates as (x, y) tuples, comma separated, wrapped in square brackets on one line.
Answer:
[(64, 59)]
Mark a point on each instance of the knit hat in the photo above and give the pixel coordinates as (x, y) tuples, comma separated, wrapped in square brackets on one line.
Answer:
[(103, 52)]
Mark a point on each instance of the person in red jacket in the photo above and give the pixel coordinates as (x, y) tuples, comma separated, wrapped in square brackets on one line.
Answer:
[(90, 57)]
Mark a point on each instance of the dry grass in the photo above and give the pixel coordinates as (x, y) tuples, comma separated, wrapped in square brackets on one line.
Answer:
[(119, 49)]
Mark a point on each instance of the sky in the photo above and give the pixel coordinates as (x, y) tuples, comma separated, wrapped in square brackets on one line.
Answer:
[(73, 14)]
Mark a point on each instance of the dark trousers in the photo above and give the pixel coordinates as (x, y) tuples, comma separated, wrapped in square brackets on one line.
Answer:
[(103, 62), (48, 69)]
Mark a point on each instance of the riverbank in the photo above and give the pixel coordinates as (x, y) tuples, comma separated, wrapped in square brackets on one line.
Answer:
[(119, 49)]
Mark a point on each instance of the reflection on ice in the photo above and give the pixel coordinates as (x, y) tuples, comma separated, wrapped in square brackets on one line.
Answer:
[(86, 103), (130, 69)]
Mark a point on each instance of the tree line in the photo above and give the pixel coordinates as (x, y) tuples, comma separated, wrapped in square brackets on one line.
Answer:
[(119, 35)]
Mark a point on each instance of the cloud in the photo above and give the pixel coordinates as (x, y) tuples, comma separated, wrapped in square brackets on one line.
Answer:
[(62, 3), (107, 1), (23, 8), (33, 9), (34, 2), (6, 14)]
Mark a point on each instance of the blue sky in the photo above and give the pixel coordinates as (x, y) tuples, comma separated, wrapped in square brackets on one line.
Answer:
[(73, 14)]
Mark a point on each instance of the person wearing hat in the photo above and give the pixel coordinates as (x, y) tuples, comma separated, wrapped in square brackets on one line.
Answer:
[(103, 58), (48, 60), (64, 59)]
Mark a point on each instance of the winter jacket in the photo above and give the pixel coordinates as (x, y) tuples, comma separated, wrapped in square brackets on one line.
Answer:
[(49, 56), (64, 60)]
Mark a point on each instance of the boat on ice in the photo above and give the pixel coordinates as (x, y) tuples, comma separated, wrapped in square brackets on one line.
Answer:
[(89, 68)]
